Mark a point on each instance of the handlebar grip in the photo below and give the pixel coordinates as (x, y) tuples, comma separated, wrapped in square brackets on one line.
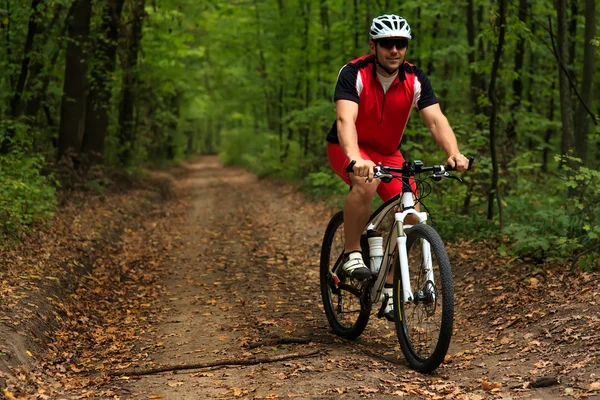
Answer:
[(471, 159), (350, 167)]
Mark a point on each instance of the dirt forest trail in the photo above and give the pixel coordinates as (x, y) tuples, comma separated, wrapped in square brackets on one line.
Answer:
[(247, 271)]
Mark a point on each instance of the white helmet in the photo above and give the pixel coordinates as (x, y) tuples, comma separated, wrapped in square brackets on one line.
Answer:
[(389, 25)]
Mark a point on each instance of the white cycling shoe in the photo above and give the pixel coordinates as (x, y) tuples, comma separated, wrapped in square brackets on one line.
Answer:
[(355, 267)]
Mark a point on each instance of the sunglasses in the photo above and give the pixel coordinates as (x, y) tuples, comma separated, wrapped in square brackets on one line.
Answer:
[(388, 43)]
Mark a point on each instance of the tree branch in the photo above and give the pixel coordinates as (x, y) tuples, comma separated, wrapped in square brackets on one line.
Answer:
[(272, 342), (221, 363)]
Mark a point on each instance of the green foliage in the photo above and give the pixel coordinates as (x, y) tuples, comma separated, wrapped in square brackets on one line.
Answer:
[(264, 155), (325, 184), (238, 149), (25, 195), (557, 226)]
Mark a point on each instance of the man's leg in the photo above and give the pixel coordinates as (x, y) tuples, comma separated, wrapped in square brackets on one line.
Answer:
[(357, 210)]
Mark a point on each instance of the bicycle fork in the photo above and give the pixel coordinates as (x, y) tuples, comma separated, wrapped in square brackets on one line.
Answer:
[(407, 293)]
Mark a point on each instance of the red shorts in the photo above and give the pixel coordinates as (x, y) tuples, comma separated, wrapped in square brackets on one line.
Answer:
[(386, 191)]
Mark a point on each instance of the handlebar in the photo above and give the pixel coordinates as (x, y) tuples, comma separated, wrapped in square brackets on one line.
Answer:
[(410, 169)]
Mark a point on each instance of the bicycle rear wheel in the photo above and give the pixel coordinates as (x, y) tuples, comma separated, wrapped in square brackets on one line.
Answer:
[(424, 325), (346, 305)]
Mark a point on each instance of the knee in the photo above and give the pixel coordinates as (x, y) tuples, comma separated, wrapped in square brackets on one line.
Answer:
[(364, 190)]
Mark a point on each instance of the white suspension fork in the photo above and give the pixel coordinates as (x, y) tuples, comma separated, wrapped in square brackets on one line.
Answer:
[(407, 293), (403, 258), (427, 260)]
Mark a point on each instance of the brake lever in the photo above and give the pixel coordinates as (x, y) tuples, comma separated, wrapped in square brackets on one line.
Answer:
[(385, 178), (438, 177), (455, 177)]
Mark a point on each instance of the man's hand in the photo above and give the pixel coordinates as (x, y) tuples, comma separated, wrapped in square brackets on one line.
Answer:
[(365, 168), (458, 161)]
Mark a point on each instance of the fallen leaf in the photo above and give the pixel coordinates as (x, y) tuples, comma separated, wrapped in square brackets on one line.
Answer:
[(156, 396), (533, 282), (8, 394)]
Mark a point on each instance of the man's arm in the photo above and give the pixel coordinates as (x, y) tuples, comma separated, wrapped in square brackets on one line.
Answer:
[(444, 136), (347, 112)]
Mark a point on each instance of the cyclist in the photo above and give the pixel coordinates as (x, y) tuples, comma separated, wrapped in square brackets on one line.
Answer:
[(374, 96)]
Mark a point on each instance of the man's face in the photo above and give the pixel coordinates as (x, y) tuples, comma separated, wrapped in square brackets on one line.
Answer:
[(390, 51)]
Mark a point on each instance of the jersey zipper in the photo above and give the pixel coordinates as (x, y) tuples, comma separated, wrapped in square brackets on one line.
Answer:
[(382, 108)]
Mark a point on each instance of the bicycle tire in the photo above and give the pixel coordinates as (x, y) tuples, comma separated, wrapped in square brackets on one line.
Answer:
[(423, 351), (340, 301)]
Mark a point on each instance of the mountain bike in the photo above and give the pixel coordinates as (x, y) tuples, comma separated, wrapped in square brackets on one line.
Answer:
[(423, 291)]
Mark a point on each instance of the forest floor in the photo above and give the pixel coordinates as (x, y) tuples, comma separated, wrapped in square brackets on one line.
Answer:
[(131, 281)]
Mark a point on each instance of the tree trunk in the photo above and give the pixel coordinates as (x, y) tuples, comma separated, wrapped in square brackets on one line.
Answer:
[(549, 132), (5, 142), (476, 53), (98, 102), (573, 30), (307, 94), (326, 45), (33, 104), (72, 108), (281, 80), (587, 84), (517, 84), (494, 190), (31, 31), (416, 27), (434, 33), (126, 109), (262, 69), (566, 105), (9, 54), (356, 26), (35, 85), (175, 106), (471, 34)]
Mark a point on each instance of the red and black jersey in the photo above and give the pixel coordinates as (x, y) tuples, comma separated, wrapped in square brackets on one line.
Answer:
[(382, 117)]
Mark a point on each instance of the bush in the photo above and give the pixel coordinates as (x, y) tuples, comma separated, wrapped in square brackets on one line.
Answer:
[(563, 226), (25, 195)]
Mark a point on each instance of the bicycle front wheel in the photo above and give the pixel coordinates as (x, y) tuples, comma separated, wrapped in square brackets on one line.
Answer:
[(346, 308), (424, 323)]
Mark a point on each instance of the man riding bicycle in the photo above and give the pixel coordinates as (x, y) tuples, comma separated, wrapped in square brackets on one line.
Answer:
[(374, 96)]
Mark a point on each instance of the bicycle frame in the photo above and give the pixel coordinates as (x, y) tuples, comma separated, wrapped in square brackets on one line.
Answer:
[(404, 205)]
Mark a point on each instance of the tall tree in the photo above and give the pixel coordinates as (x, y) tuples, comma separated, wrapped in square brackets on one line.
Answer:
[(126, 109), (517, 85), (566, 104), (98, 102), (582, 126), (31, 31), (72, 108), (325, 43), (37, 83), (494, 194)]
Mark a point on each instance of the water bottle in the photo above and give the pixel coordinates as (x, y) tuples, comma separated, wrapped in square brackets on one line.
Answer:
[(375, 250)]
